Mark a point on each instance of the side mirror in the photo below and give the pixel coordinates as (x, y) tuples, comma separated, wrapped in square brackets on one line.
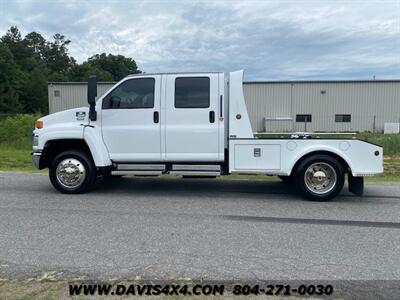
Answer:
[(91, 95)]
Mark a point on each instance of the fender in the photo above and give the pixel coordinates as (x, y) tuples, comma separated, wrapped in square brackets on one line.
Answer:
[(73, 131), (319, 148), (94, 140)]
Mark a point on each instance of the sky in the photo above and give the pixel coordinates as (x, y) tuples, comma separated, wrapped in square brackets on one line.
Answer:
[(270, 40)]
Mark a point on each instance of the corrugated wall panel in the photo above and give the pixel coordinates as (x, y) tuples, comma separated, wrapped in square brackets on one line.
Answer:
[(267, 101), (71, 95), (363, 100)]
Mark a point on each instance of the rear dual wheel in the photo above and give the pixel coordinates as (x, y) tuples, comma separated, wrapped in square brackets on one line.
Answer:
[(319, 177)]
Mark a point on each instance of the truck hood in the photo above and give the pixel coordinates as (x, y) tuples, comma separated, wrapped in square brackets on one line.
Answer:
[(76, 115)]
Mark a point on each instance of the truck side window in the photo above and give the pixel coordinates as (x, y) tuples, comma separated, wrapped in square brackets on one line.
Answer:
[(132, 93), (192, 92)]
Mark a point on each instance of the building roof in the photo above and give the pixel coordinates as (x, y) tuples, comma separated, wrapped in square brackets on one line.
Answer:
[(326, 81), (78, 82), (172, 73), (246, 82)]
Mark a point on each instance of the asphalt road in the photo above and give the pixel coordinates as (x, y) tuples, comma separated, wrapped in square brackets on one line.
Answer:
[(163, 228)]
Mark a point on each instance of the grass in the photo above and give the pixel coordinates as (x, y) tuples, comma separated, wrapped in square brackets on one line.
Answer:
[(16, 131), (14, 159), (25, 290), (49, 290)]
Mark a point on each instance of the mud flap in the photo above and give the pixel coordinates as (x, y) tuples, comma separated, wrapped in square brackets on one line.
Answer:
[(356, 185)]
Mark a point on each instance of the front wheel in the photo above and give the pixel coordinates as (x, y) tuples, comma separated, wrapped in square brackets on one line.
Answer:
[(320, 177), (72, 172)]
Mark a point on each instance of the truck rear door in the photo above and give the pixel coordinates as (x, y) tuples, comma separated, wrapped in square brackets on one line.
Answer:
[(193, 123)]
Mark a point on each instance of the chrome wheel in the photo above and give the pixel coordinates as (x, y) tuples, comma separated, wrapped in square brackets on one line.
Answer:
[(70, 173), (320, 178)]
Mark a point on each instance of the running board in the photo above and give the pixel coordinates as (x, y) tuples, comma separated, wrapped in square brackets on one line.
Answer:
[(137, 172), (196, 170), (196, 173), (159, 169), (210, 168), (139, 169)]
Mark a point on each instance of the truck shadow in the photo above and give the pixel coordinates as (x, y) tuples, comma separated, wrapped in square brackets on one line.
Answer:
[(206, 187), (157, 185)]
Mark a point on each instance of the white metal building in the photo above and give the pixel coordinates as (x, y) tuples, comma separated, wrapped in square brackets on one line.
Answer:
[(327, 106)]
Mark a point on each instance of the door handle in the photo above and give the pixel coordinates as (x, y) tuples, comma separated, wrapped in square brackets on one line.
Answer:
[(156, 117), (212, 116), (220, 106)]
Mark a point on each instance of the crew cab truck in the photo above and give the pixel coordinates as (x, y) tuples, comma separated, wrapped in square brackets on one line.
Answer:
[(189, 124)]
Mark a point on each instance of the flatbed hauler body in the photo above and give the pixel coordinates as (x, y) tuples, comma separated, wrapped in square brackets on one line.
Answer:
[(190, 124)]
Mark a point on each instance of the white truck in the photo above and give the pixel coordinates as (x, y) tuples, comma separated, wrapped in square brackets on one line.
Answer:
[(189, 124)]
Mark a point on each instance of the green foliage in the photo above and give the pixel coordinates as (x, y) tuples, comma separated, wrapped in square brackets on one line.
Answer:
[(11, 81), (105, 67), (56, 56), (17, 46), (36, 91), (16, 131), (14, 159), (9, 99), (83, 71), (27, 64), (116, 65)]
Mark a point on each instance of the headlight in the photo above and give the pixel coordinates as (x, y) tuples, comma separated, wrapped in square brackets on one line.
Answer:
[(35, 140)]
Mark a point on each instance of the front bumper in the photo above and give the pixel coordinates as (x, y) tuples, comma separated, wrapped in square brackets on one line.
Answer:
[(36, 156)]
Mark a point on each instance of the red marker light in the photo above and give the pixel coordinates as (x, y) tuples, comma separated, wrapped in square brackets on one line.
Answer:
[(376, 153)]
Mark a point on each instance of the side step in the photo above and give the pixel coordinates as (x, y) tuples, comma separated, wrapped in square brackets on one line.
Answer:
[(195, 173), (196, 170), (139, 169), (159, 169)]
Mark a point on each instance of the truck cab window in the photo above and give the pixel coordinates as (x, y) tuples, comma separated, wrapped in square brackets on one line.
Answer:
[(132, 93), (192, 92)]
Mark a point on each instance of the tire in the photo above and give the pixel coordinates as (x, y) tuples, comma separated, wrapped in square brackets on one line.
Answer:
[(72, 172), (323, 187)]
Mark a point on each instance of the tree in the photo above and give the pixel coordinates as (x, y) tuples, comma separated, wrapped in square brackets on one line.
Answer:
[(27, 64), (8, 66), (36, 92), (9, 102), (56, 57), (17, 46), (37, 43), (118, 66), (83, 71), (11, 81)]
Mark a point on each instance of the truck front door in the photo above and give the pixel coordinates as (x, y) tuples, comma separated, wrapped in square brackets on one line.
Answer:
[(130, 120)]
